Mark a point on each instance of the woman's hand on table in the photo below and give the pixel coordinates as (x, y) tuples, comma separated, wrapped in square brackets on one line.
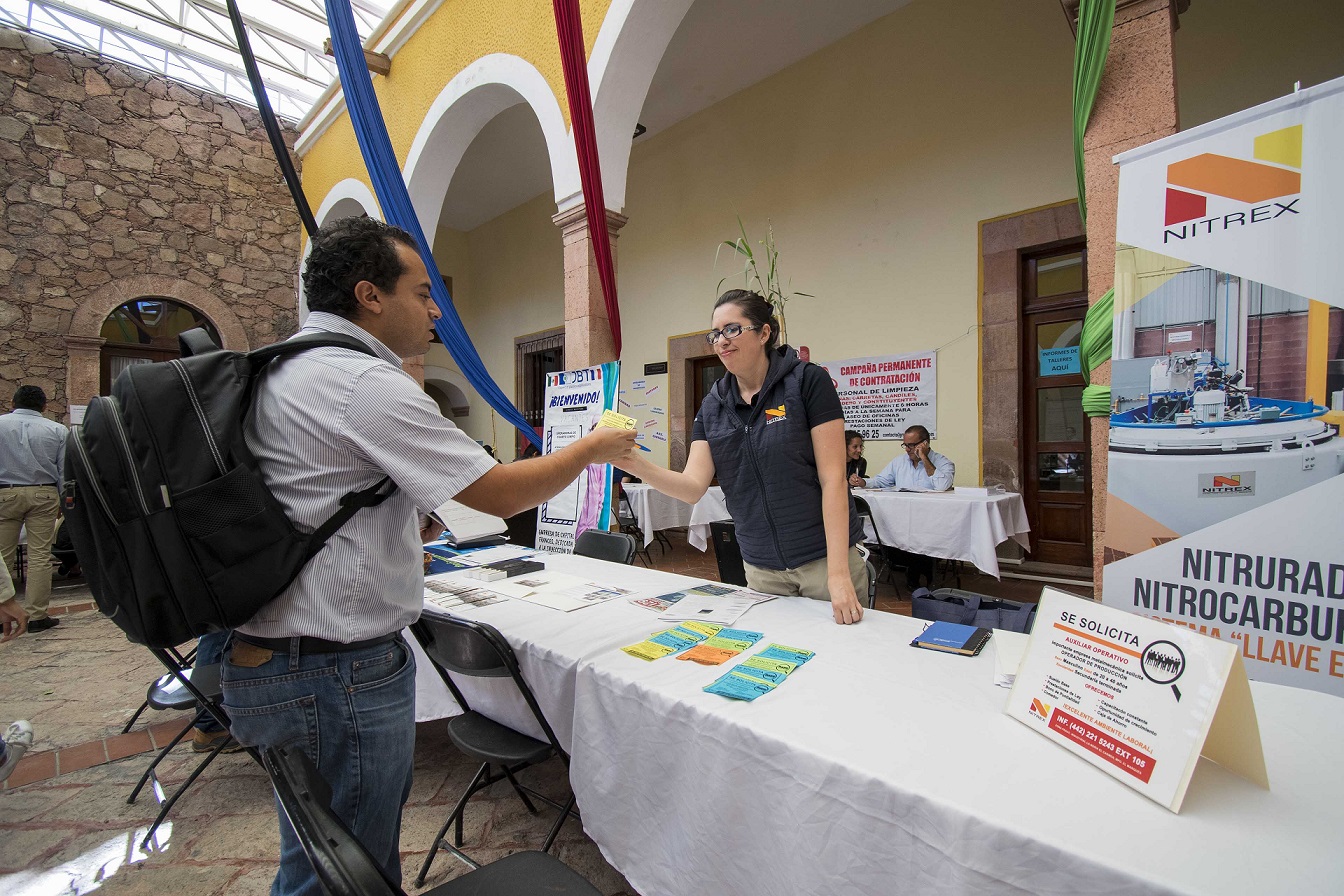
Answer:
[(844, 602)]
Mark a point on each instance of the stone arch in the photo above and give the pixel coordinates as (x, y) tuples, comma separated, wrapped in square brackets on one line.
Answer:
[(453, 385), (84, 339), (633, 38), (470, 100)]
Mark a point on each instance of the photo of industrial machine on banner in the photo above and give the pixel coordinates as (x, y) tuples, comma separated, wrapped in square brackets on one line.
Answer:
[(1226, 497)]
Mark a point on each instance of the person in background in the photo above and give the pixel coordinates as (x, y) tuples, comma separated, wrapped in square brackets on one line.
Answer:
[(855, 463), (32, 454), (17, 740), (921, 470), (773, 432)]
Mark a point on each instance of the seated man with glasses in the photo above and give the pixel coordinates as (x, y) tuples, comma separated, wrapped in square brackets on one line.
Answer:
[(921, 470)]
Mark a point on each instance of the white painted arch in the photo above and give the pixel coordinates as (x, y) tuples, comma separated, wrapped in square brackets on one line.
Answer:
[(466, 104), (630, 44), (453, 384)]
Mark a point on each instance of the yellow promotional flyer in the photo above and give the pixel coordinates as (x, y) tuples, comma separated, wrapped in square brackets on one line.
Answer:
[(1225, 497)]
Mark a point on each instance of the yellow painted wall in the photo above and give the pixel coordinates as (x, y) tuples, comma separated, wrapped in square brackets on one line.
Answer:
[(458, 33), (1234, 54), (874, 160), (513, 286)]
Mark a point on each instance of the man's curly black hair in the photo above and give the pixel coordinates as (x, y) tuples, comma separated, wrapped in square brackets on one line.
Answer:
[(347, 251)]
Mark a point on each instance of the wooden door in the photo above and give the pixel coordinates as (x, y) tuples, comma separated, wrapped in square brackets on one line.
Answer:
[(1056, 458)]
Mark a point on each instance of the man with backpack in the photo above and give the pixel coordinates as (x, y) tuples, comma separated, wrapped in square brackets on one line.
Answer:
[(323, 665), (32, 454)]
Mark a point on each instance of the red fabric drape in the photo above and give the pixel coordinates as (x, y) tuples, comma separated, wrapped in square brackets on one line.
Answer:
[(569, 28)]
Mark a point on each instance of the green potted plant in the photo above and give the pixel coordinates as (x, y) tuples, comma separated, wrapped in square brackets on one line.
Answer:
[(760, 271)]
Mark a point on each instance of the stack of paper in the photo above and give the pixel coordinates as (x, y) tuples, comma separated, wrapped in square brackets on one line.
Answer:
[(673, 640), (466, 526), (725, 645), (760, 674)]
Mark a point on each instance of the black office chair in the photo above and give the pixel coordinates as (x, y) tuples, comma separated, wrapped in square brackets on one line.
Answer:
[(466, 647), (617, 547), (184, 687), (344, 867)]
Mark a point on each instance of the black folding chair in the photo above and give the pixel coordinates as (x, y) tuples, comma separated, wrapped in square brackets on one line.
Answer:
[(188, 659), (466, 647), (629, 523), (618, 547), (344, 867), (865, 512), (184, 687), (872, 583)]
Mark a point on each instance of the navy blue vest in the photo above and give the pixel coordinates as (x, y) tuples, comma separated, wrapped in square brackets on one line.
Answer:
[(765, 464)]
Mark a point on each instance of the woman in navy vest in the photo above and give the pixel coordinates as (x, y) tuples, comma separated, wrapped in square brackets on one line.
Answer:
[(773, 431)]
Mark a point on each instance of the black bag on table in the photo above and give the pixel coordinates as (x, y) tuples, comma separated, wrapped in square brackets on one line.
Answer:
[(174, 526), (969, 608)]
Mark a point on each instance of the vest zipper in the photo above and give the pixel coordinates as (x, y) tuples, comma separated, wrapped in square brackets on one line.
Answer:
[(127, 455), (760, 482), (200, 415)]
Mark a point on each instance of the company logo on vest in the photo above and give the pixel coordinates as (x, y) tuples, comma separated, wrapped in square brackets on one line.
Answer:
[(1275, 174)]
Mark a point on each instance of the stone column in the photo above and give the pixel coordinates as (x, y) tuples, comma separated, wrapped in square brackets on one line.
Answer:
[(587, 328), (1136, 104), (84, 373)]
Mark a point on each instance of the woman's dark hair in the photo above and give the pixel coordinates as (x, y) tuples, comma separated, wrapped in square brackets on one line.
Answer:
[(755, 309), (851, 435), (347, 251)]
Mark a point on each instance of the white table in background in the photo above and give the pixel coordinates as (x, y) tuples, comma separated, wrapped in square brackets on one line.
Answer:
[(711, 508), (952, 525), (655, 511), (879, 769)]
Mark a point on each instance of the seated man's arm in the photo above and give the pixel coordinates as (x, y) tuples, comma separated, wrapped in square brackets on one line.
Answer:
[(887, 478), (944, 471)]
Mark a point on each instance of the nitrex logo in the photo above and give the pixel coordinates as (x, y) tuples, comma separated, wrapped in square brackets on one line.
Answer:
[(1276, 174), (1222, 484)]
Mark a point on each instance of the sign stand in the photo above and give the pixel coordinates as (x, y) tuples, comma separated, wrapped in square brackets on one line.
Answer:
[(1137, 698)]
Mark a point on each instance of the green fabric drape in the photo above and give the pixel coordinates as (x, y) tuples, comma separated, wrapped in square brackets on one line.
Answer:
[(1095, 348), (1096, 18)]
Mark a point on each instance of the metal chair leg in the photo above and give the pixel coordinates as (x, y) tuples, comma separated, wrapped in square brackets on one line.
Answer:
[(455, 816), (517, 788), (555, 828), (167, 805), (159, 758)]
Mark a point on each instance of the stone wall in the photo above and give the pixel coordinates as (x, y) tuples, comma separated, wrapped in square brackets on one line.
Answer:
[(117, 184)]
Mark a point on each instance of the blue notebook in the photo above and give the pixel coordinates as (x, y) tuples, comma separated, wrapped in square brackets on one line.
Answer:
[(951, 637)]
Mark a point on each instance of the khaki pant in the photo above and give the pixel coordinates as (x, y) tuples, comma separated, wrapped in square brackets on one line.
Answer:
[(31, 507), (808, 580)]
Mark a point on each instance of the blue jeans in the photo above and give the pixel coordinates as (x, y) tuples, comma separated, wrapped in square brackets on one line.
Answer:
[(353, 713), (210, 649)]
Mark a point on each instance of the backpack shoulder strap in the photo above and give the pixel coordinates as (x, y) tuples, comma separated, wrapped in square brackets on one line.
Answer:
[(264, 355), (351, 503)]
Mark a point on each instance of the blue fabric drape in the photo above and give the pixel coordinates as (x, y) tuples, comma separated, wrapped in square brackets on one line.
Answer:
[(376, 148)]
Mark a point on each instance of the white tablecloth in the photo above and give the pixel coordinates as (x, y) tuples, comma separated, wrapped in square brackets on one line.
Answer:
[(879, 769), (709, 509), (952, 525), (549, 645), (655, 511)]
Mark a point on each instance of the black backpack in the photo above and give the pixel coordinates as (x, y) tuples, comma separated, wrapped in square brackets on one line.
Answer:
[(174, 528)]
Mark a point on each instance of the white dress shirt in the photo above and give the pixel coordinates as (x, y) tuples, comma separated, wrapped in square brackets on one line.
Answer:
[(331, 421), (901, 473)]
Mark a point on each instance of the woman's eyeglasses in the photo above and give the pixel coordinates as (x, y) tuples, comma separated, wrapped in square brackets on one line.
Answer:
[(732, 331)]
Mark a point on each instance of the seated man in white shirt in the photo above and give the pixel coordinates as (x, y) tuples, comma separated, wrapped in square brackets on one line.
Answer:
[(922, 470)]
